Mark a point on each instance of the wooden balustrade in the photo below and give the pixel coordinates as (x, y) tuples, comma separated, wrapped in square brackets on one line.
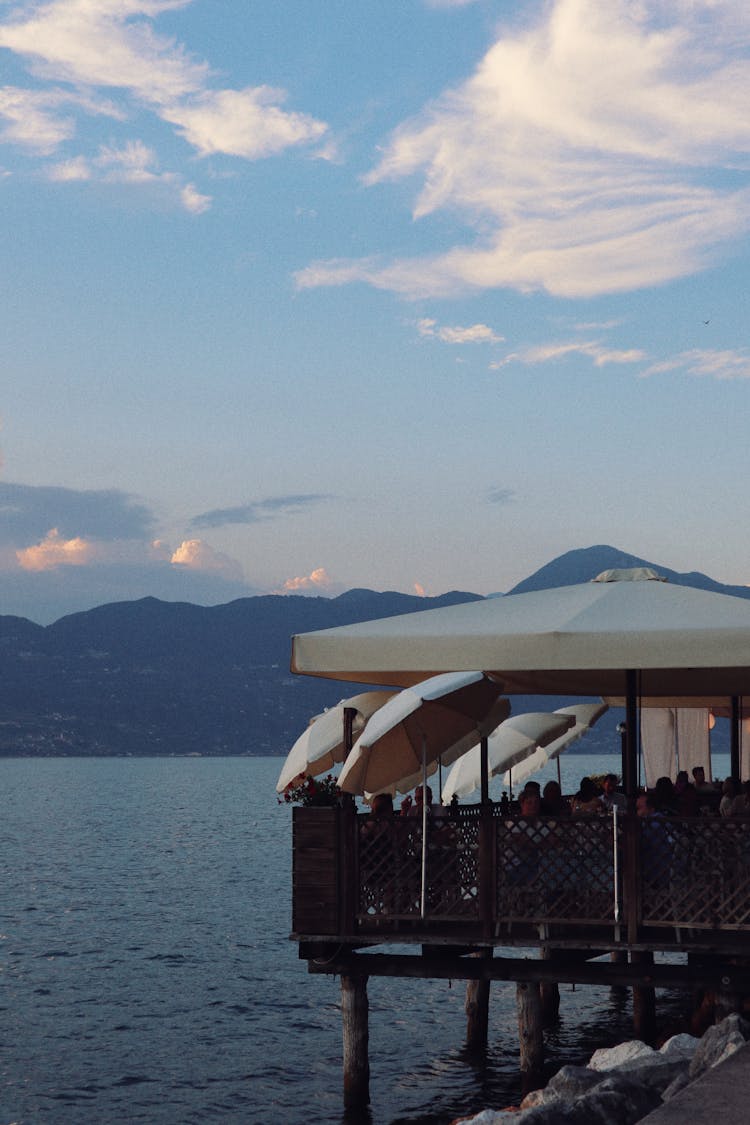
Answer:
[(664, 882)]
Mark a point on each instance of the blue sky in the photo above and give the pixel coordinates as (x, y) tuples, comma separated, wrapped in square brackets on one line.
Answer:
[(301, 296)]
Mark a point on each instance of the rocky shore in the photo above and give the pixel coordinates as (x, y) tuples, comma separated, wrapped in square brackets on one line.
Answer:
[(623, 1084)]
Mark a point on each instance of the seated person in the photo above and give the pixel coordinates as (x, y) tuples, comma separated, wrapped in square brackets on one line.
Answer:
[(586, 800), (553, 802), (381, 810), (730, 789), (611, 797)]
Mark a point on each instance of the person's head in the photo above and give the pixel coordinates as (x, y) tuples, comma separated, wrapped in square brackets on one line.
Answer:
[(682, 781), (664, 794), (609, 785), (699, 775), (645, 804), (419, 795), (552, 793), (534, 786), (530, 802), (730, 787), (382, 805), (587, 791)]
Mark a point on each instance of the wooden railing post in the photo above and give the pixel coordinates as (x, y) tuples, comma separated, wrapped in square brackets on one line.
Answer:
[(487, 880), (348, 867), (631, 875)]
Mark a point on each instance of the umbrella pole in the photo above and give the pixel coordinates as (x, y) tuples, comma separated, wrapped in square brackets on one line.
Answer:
[(736, 727), (423, 896), (559, 774), (484, 771)]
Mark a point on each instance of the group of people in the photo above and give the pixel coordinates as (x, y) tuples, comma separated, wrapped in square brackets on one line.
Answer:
[(590, 800)]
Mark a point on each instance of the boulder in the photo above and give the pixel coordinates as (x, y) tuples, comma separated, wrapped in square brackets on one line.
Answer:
[(718, 1043)]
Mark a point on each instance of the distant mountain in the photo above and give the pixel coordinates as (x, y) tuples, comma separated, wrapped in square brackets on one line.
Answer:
[(585, 563), (155, 677)]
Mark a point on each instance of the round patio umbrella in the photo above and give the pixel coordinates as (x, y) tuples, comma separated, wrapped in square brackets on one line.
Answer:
[(498, 713), (321, 744), (417, 726), (514, 740), (584, 715)]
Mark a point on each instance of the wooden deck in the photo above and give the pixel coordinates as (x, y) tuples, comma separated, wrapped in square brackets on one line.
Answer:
[(650, 884)]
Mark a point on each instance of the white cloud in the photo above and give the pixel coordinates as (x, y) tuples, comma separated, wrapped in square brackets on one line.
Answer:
[(593, 349), (474, 334), (195, 554), (83, 46), (40, 120), (134, 163), (586, 150), (714, 364), (246, 123)]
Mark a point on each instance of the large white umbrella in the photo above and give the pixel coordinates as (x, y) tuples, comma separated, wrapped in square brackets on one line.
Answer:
[(417, 726), (513, 741), (321, 744), (584, 715), (571, 640)]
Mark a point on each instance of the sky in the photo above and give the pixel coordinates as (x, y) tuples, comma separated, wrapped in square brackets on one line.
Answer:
[(304, 295)]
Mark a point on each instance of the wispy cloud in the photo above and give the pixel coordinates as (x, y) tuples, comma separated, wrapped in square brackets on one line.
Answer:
[(473, 334), (259, 510), (82, 47), (134, 163), (707, 363), (599, 353), (581, 187)]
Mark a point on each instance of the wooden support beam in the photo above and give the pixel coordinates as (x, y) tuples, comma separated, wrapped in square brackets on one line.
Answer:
[(355, 1034), (658, 975), (530, 1035)]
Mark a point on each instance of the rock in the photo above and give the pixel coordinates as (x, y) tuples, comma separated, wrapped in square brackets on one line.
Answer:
[(718, 1043), (569, 1083), (679, 1083), (683, 1044), (607, 1058), (616, 1100)]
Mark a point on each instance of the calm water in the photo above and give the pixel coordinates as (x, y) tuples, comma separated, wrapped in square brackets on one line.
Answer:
[(146, 973)]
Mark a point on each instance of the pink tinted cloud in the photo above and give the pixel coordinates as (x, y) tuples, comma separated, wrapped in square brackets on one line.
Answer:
[(53, 551), (317, 580)]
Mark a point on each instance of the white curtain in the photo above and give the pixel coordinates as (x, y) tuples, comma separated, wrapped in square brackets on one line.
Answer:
[(659, 742), (693, 743)]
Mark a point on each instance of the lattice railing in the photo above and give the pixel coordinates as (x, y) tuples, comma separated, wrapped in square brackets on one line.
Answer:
[(556, 870), (390, 868), (695, 873)]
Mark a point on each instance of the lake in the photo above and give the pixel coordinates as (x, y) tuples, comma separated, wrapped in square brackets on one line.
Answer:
[(147, 975)]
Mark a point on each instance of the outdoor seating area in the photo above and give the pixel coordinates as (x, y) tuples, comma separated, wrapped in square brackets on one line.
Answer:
[(503, 880)]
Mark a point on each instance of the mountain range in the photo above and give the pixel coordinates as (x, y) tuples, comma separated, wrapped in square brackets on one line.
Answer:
[(154, 677)]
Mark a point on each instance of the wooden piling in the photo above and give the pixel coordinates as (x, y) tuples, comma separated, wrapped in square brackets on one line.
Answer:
[(355, 1033), (530, 1037), (477, 1010), (549, 993), (644, 1000)]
